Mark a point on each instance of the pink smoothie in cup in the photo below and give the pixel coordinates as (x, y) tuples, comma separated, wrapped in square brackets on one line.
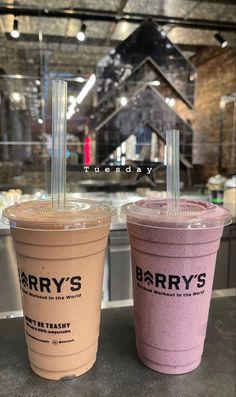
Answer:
[(173, 262)]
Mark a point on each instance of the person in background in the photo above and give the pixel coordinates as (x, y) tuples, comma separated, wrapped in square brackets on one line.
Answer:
[(143, 142), (35, 160), (74, 152)]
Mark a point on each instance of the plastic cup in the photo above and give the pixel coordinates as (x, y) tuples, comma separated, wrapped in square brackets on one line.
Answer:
[(60, 256), (173, 262)]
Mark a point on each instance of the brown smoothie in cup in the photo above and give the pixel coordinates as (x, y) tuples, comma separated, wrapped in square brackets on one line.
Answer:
[(60, 256)]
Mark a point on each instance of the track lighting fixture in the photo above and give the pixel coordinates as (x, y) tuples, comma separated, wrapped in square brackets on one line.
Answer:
[(15, 33), (223, 43), (81, 33)]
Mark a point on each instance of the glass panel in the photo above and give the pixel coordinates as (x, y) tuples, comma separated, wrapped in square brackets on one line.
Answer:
[(148, 41), (130, 119), (25, 119), (145, 113)]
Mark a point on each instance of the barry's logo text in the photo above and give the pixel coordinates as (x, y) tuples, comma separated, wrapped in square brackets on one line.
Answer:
[(170, 281), (50, 285)]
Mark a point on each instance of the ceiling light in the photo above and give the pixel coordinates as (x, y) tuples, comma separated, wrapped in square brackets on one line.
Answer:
[(123, 101), (72, 99), (15, 33), (223, 43), (156, 83), (80, 79), (86, 88), (193, 76), (81, 34), (16, 96), (170, 101), (40, 121)]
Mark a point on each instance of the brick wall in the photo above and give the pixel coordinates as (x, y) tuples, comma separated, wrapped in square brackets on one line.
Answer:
[(216, 78)]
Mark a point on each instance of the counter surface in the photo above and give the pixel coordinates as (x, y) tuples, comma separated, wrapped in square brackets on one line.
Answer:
[(118, 372)]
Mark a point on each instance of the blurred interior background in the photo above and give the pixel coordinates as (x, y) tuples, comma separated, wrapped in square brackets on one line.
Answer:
[(135, 68)]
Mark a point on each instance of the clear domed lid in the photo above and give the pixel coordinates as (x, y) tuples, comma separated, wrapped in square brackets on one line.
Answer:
[(191, 214), (39, 214)]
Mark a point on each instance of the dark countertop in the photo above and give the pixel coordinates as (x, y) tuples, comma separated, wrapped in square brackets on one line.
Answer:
[(118, 372)]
